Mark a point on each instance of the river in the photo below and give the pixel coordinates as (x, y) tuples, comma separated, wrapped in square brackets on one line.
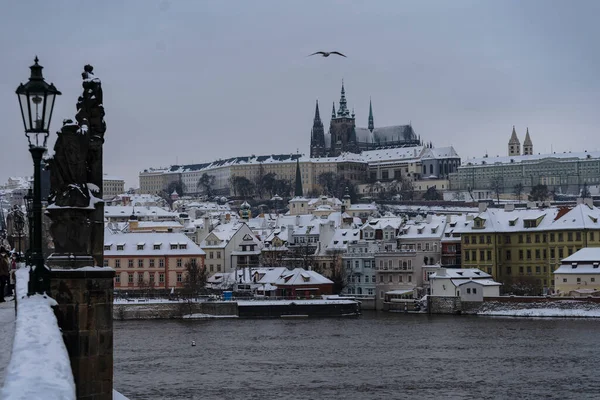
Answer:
[(376, 356)]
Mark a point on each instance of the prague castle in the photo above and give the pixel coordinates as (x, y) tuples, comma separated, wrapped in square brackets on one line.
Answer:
[(344, 136)]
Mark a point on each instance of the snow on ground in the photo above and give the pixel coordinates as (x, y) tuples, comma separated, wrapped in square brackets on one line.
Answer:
[(118, 396), (39, 367), (7, 332)]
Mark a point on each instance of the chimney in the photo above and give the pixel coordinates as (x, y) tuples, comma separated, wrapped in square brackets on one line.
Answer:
[(483, 207), (227, 217), (429, 218), (509, 207), (589, 202), (206, 226)]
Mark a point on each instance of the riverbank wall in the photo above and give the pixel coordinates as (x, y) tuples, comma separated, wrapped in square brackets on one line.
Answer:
[(517, 306), (128, 311)]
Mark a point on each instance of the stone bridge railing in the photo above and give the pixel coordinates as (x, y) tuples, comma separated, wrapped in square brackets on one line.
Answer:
[(39, 367)]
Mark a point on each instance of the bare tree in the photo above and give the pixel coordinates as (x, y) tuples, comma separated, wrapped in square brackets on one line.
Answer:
[(195, 279), (206, 183), (518, 191), (497, 186)]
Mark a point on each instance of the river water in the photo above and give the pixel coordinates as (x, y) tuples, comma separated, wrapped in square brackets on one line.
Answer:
[(376, 356)]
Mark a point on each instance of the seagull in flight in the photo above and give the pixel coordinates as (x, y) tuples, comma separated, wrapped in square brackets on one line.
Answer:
[(327, 53)]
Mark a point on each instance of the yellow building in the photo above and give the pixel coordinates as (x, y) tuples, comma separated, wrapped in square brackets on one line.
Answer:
[(525, 246)]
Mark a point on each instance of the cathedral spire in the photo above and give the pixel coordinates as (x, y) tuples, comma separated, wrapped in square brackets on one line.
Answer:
[(298, 190), (333, 110), (343, 110), (371, 123), (317, 115)]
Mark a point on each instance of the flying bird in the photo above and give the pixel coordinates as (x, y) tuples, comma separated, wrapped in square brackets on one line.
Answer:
[(327, 53)]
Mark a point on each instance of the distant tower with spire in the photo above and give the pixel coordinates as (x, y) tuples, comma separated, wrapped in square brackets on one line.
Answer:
[(298, 192), (371, 122), (527, 145), (317, 136), (342, 129), (514, 145)]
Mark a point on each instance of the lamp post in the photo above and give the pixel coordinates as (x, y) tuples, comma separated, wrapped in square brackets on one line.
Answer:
[(36, 100)]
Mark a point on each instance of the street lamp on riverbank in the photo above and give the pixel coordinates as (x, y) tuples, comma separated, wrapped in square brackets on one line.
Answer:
[(36, 100)]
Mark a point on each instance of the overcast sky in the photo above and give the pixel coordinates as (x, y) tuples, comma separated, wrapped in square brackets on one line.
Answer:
[(193, 81)]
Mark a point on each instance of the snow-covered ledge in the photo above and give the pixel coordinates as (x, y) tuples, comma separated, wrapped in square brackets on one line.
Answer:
[(39, 366)]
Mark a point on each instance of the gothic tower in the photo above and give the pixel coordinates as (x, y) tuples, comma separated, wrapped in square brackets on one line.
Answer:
[(341, 129), (514, 145), (527, 145), (371, 122), (317, 136)]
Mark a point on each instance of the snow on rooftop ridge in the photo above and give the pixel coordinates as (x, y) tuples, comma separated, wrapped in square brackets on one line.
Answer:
[(39, 367)]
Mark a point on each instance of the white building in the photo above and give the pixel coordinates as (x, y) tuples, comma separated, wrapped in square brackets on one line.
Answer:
[(469, 284), (112, 186), (579, 274)]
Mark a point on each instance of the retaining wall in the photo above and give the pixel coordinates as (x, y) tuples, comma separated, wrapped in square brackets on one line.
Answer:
[(129, 311)]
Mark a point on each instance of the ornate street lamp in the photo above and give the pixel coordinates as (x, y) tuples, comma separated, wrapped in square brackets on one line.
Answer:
[(36, 99)]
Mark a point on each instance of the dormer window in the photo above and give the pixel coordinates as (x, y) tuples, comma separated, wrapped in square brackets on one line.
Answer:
[(107, 247), (121, 246), (479, 223), (157, 246), (173, 246), (140, 246), (182, 246)]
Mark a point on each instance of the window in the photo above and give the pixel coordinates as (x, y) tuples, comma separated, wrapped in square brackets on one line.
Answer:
[(537, 270), (569, 236), (474, 290), (507, 239), (528, 238), (592, 279), (544, 238), (161, 277), (564, 280), (152, 278), (151, 261), (156, 246), (140, 246), (521, 270), (106, 262), (400, 278), (481, 239), (356, 264), (537, 254), (161, 262), (561, 253), (117, 263), (578, 280), (107, 247), (140, 263), (173, 246), (578, 236), (410, 278), (528, 270), (592, 236), (489, 255), (520, 254), (473, 255), (179, 277), (211, 255), (179, 263), (560, 237), (130, 278), (468, 290), (118, 278), (373, 278), (212, 268), (130, 263), (140, 277), (509, 270), (552, 253), (529, 254), (488, 239), (520, 238), (537, 238), (508, 255), (218, 254), (366, 278), (381, 278), (467, 258), (552, 237), (120, 247), (466, 242), (219, 268), (481, 255), (182, 246)]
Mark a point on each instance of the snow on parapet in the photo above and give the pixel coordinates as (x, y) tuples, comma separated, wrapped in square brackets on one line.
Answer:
[(39, 367)]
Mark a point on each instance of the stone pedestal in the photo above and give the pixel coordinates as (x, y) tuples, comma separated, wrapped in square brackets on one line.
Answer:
[(84, 314)]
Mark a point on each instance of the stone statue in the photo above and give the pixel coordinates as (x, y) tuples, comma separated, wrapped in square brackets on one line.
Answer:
[(75, 201)]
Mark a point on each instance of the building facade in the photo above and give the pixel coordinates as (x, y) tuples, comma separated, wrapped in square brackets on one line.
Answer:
[(112, 186)]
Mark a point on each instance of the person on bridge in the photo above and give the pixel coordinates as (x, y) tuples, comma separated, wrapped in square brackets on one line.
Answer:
[(4, 272)]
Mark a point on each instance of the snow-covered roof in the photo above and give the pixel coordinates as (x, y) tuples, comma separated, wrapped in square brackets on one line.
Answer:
[(382, 223), (591, 254), (158, 224), (460, 273), (431, 228), (158, 244), (148, 212), (483, 282), (577, 268)]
